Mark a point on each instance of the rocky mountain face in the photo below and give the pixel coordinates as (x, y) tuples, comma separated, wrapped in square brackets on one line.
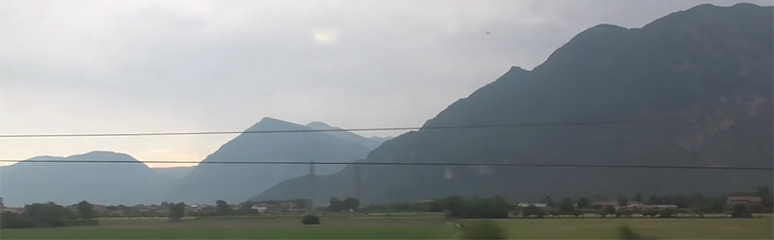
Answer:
[(693, 88)]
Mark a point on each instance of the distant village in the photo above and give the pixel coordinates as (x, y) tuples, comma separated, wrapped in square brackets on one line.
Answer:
[(162, 210), (293, 207)]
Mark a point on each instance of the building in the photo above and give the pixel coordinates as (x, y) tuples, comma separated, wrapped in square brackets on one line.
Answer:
[(282, 207), (200, 209), (261, 207), (746, 200), (539, 205), (287, 206), (99, 209), (605, 204), (636, 204)]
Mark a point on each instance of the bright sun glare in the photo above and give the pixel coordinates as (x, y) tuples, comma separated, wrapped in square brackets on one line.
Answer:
[(325, 37)]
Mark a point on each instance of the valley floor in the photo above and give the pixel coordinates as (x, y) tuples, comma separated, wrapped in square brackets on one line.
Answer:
[(403, 227)]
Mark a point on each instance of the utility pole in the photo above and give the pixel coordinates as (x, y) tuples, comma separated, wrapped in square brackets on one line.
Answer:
[(358, 194), (311, 187)]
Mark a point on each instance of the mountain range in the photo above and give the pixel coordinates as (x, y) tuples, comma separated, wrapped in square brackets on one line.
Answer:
[(693, 88), (27, 182), (209, 182), (68, 183)]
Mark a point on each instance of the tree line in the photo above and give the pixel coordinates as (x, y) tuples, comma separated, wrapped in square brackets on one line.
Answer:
[(47, 215), (54, 215)]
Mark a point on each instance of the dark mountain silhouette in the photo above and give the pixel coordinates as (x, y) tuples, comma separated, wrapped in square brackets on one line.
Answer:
[(369, 143), (698, 81), (64, 183), (234, 183)]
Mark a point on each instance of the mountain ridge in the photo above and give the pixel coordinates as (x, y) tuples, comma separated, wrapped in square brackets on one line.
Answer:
[(235, 183), (688, 65)]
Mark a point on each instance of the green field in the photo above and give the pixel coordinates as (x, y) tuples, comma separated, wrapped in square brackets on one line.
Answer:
[(402, 227)]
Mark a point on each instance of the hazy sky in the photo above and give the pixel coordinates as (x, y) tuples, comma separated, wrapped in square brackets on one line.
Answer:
[(145, 66)]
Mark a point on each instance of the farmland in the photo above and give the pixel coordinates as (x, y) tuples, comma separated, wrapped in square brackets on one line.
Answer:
[(401, 227)]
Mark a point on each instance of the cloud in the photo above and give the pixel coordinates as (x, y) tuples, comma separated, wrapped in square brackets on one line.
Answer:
[(139, 66)]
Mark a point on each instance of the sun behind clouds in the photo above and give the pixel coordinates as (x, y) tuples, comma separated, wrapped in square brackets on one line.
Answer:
[(325, 37)]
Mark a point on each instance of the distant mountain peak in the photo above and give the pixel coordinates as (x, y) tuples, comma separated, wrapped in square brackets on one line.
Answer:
[(273, 124), (93, 155), (103, 156), (320, 125)]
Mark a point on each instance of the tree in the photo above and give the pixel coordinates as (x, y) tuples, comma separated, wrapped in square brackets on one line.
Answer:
[(548, 201), (654, 200), (638, 197), (47, 214), (584, 203), (499, 207), (532, 210), (10, 219), (666, 213), (697, 202), (740, 211), (176, 211), (310, 220), (767, 199), (247, 207), (623, 212), (351, 204), (610, 210), (437, 206), (335, 205), (455, 205), (222, 207), (567, 206), (714, 205), (622, 200), (624, 232), (85, 209)]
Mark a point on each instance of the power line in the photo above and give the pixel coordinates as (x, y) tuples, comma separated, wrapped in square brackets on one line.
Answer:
[(587, 123), (77, 161)]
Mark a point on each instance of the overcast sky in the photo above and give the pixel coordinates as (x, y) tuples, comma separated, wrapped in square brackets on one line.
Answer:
[(146, 66)]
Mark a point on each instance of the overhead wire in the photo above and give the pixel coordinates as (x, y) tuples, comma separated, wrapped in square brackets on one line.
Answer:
[(505, 164), (515, 125), (502, 164)]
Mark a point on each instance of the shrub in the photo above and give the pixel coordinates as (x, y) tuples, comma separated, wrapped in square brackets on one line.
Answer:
[(310, 220), (666, 213), (577, 213), (625, 232), (624, 212), (651, 213), (740, 211), (532, 210), (484, 229), (554, 212), (13, 220)]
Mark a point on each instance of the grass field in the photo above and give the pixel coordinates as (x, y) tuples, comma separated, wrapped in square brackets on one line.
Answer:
[(402, 227)]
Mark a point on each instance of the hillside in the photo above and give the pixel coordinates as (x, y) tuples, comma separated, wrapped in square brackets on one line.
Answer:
[(369, 143), (64, 183), (698, 83), (235, 183)]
